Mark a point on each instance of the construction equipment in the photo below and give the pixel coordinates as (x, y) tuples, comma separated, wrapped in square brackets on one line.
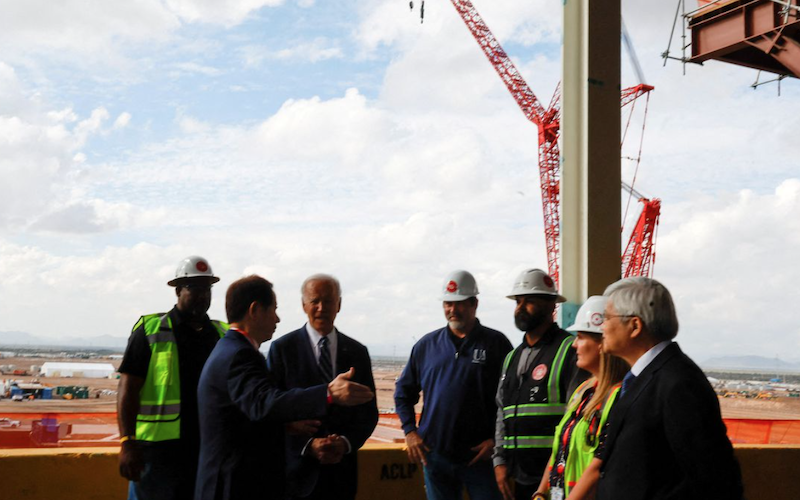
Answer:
[(759, 34), (547, 121)]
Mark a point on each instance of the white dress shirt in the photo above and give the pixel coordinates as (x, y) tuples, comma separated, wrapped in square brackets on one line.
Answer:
[(648, 357), (333, 341)]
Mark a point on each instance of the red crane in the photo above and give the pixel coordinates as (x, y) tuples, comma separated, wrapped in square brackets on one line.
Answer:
[(547, 120), (640, 254)]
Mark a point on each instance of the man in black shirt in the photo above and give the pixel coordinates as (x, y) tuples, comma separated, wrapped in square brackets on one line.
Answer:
[(157, 396)]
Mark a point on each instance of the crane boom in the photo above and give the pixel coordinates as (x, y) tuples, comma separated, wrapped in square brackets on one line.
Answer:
[(546, 120), (548, 123)]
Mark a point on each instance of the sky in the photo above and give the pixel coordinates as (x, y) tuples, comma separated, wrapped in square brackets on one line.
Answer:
[(290, 137)]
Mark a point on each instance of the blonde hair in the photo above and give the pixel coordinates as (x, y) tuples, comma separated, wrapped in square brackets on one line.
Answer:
[(612, 370)]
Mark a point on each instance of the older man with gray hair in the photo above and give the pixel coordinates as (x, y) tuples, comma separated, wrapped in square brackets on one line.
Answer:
[(321, 455), (666, 438)]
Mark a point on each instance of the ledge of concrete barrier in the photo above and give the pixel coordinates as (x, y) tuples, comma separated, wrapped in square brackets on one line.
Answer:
[(769, 473)]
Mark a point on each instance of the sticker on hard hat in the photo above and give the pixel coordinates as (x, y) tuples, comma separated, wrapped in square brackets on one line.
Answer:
[(539, 372), (201, 266), (548, 281), (596, 319), (451, 286)]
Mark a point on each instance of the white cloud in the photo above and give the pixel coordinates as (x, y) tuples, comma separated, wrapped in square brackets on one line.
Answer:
[(437, 172), (122, 121), (226, 12), (731, 264), (319, 49), (313, 51), (195, 68), (88, 28)]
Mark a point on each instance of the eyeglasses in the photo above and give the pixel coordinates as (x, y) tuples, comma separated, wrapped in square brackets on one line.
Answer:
[(607, 317)]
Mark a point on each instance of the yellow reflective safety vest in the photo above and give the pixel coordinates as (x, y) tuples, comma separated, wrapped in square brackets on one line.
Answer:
[(585, 436), (159, 417)]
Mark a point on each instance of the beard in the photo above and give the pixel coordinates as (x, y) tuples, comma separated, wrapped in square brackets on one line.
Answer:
[(456, 325), (528, 322)]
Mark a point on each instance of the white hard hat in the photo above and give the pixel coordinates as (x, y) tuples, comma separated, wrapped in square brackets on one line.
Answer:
[(590, 315), (459, 285), (535, 282), (193, 267)]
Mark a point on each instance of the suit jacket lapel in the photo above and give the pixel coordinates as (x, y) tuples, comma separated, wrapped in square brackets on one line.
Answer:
[(306, 354), (624, 403), (343, 353)]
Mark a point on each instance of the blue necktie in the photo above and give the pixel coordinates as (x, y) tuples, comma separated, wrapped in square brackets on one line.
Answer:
[(325, 365), (629, 379)]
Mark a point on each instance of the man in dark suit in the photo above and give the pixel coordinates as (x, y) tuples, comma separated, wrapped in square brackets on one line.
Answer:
[(241, 409), (666, 438), (321, 463)]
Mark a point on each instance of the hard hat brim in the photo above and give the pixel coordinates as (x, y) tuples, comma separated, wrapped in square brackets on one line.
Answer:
[(178, 281), (575, 329), (456, 298), (559, 298)]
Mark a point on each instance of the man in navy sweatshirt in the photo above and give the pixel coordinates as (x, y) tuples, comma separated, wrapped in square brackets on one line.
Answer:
[(458, 368)]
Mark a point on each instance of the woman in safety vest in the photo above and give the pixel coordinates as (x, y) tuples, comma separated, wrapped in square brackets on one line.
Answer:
[(581, 430)]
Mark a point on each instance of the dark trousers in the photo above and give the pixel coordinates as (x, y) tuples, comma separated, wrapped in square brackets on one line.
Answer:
[(169, 473), (524, 491), (328, 488)]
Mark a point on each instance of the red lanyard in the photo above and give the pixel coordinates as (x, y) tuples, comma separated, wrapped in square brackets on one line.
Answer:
[(247, 336), (566, 435)]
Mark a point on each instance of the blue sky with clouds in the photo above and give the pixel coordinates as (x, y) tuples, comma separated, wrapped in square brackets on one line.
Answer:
[(288, 137)]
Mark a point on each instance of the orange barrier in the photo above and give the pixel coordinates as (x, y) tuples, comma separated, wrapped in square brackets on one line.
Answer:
[(59, 430), (749, 431)]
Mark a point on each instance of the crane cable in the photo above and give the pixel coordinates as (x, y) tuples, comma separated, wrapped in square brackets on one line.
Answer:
[(638, 158)]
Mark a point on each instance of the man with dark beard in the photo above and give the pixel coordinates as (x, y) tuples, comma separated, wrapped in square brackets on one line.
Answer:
[(538, 377)]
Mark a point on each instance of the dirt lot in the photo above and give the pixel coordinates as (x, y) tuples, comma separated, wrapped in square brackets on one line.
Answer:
[(103, 403), (385, 375)]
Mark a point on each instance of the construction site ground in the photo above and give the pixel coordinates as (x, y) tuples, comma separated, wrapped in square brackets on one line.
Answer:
[(103, 401)]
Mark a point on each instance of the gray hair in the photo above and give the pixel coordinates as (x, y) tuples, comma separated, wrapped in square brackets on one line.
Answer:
[(322, 277), (650, 301)]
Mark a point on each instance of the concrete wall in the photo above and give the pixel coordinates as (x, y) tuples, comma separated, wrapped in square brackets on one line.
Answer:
[(385, 474)]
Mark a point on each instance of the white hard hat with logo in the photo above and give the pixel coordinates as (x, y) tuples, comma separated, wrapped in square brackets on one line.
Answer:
[(192, 267), (535, 282), (590, 316), (459, 285)]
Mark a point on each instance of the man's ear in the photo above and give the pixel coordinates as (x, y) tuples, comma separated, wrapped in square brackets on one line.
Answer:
[(252, 309), (637, 327), (339, 307), (178, 291)]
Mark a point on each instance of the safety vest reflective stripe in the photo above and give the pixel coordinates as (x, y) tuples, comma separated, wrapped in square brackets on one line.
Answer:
[(508, 359), (528, 410), (170, 409), (554, 382), (161, 336), (520, 442)]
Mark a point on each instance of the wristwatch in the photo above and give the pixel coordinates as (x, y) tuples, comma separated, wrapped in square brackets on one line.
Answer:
[(538, 496)]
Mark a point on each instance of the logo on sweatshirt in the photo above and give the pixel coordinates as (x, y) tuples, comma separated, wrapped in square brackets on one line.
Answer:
[(479, 356)]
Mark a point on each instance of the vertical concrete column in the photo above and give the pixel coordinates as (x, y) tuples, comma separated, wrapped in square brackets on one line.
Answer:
[(590, 136)]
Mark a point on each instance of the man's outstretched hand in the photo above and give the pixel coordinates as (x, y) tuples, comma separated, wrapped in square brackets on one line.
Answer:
[(344, 392)]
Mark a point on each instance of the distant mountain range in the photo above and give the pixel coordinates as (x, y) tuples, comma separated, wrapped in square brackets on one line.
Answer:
[(25, 339), (758, 363)]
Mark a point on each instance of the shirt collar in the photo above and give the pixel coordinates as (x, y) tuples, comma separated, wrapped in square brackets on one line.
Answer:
[(648, 357), (314, 336)]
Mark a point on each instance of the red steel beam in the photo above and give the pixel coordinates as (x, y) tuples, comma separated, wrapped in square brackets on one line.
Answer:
[(753, 33)]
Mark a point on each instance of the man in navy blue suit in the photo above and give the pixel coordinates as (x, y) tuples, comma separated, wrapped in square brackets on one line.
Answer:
[(241, 409), (666, 439), (321, 462)]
